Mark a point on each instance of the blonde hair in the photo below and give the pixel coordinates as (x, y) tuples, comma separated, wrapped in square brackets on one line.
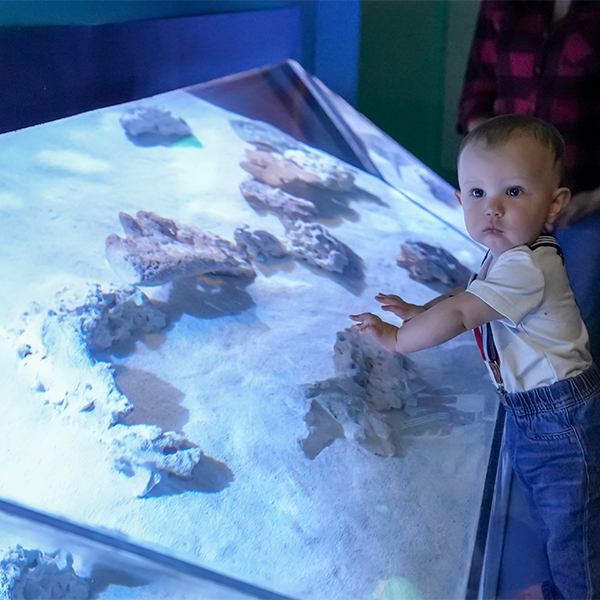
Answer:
[(497, 131)]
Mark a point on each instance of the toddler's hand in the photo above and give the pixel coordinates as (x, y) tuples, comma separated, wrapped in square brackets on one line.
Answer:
[(396, 305), (383, 332), (369, 323)]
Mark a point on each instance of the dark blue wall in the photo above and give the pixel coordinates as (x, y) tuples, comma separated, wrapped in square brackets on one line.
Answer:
[(330, 29)]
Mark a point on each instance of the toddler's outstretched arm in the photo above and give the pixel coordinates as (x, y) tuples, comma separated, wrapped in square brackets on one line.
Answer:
[(399, 307), (407, 311), (446, 318)]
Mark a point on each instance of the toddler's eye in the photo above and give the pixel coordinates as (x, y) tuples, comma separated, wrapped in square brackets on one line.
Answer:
[(514, 191), (477, 193)]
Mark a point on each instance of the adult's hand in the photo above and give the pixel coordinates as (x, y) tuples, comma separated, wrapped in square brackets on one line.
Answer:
[(580, 207)]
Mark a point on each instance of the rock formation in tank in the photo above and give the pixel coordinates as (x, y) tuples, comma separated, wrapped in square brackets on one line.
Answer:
[(261, 246), (154, 126), (332, 403), (299, 184), (432, 265), (55, 356), (439, 188), (330, 173), (268, 199), (389, 150), (57, 341), (276, 170), (157, 250), (264, 136), (26, 574), (369, 382), (146, 452), (302, 165), (116, 316), (313, 243), (56, 346), (386, 380)]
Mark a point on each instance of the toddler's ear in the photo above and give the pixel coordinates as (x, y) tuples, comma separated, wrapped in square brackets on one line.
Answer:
[(560, 199), (457, 194)]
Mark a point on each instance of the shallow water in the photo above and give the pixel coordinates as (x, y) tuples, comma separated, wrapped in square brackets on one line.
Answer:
[(228, 371)]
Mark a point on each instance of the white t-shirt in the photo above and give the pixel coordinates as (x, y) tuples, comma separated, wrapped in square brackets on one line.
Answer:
[(541, 338)]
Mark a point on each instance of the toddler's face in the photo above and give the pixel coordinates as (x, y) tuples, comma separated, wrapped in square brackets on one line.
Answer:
[(508, 192)]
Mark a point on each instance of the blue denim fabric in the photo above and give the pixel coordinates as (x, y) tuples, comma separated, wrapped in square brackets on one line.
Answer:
[(552, 435)]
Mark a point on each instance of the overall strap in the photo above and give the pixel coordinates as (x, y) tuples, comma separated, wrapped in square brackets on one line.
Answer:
[(483, 334), (489, 353), (547, 241)]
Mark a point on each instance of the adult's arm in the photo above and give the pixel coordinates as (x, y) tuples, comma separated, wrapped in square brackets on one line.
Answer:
[(480, 88)]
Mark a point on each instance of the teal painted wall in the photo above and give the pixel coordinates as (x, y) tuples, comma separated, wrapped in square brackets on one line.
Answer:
[(97, 12), (401, 71), (412, 60)]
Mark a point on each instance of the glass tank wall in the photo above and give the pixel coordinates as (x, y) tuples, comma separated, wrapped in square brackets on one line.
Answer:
[(36, 566), (179, 369)]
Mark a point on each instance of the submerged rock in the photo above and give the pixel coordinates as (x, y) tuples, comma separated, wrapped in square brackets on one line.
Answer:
[(432, 264), (438, 187), (265, 198), (369, 382), (358, 422), (114, 317), (260, 245), (275, 170), (330, 172), (304, 165), (157, 250), (314, 244), (147, 452), (263, 135), (385, 380), (388, 149), (153, 120), (55, 346), (28, 574)]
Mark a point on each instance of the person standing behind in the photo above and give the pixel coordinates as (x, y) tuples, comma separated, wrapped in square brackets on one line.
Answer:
[(542, 58)]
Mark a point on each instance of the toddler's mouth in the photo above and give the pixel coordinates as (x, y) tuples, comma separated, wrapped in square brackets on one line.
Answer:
[(492, 229)]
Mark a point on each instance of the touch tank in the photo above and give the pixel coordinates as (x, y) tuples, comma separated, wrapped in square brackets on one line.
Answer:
[(179, 369)]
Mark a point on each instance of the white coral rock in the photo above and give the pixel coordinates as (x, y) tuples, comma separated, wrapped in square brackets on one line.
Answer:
[(147, 452)]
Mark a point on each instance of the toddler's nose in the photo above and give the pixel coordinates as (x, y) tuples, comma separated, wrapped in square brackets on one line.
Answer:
[(494, 208)]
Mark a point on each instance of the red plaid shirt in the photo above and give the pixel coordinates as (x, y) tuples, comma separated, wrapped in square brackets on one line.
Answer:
[(522, 62)]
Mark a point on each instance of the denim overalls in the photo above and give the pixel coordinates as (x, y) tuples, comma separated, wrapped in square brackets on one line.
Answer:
[(552, 435)]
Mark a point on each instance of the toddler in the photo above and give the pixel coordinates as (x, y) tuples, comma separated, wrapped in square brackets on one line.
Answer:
[(531, 335)]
